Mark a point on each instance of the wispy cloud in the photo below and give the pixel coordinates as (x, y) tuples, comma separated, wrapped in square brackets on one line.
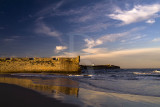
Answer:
[(10, 39), (95, 27), (94, 50), (156, 40), (136, 14), (150, 21), (123, 52), (130, 58), (138, 37), (60, 48), (49, 9), (113, 37), (44, 29), (69, 54), (1, 28), (82, 18), (45, 12), (108, 38), (89, 11), (89, 18), (132, 39)]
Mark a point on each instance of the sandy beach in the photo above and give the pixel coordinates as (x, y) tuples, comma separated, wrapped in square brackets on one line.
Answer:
[(16, 96), (110, 89)]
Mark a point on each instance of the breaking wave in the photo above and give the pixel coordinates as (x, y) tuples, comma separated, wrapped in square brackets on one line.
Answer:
[(130, 81)]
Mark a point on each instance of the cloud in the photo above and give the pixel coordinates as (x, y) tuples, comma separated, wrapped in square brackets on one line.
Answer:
[(108, 38), (94, 50), (91, 43), (58, 5), (83, 18), (10, 39), (90, 18), (1, 28), (137, 14), (94, 27), (129, 58), (112, 37), (123, 41), (60, 48), (123, 52), (85, 12), (150, 21), (43, 29), (156, 40), (91, 12), (138, 37), (49, 9), (68, 54), (132, 39)]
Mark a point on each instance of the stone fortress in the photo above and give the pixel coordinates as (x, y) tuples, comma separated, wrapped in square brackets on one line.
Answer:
[(61, 64)]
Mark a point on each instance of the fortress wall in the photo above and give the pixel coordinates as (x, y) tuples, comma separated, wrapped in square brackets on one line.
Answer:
[(39, 64)]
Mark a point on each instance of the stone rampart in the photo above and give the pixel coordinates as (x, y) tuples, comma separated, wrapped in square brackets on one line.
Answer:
[(40, 64)]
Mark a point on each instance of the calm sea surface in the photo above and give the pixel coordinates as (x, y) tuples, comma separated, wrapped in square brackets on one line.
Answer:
[(95, 88)]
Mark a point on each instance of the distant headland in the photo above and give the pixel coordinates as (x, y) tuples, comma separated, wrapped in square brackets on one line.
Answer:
[(95, 67)]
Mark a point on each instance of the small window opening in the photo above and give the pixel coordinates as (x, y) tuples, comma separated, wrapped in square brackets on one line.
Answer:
[(8, 58), (31, 58), (54, 59)]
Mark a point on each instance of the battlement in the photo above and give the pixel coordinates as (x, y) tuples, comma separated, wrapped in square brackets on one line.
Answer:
[(57, 64), (41, 59)]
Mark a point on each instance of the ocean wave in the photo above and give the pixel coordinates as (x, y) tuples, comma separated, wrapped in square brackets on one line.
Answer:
[(139, 82), (53, 75), (156, 71)]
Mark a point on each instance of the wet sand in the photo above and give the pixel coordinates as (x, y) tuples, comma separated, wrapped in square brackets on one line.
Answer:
[(16, 96)]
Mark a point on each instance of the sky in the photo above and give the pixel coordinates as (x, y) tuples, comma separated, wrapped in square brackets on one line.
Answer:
[(117, 32)]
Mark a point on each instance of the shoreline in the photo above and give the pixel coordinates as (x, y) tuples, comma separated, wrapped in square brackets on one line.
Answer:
[(17, 96)]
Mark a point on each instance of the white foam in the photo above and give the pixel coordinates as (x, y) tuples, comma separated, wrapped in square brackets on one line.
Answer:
[(155, 71)]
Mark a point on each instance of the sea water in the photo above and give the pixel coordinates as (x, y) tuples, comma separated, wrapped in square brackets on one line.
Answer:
[(96, 88)]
